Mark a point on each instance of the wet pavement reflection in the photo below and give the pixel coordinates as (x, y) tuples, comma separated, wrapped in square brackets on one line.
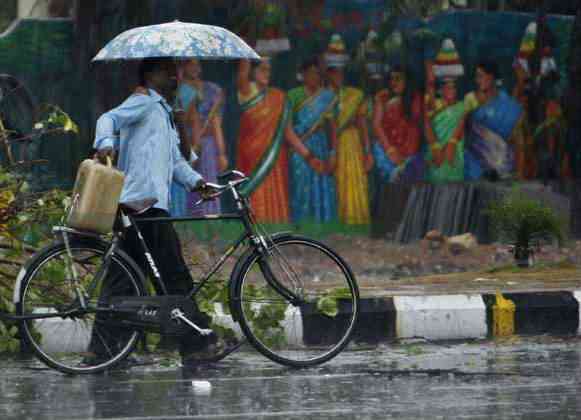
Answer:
[(533, 377)]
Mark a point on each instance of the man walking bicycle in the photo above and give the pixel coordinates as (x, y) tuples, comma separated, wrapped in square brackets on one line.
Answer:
[(143, 132)]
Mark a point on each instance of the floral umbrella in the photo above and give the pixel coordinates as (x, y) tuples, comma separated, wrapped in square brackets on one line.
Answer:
[(178, 40)]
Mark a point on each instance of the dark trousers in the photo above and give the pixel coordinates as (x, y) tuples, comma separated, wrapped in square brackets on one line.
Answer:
[(164, 245), (165, 248)]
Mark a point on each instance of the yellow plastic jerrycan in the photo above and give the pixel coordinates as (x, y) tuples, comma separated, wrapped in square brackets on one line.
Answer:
[(95, 197)]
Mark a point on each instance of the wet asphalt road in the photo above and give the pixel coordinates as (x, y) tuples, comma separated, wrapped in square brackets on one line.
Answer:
[(534, 378)]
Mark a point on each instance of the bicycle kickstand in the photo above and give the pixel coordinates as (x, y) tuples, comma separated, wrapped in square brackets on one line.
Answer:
[(178, 314)]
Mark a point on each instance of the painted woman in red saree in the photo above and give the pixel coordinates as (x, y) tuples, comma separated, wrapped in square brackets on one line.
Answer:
[(261, 151)]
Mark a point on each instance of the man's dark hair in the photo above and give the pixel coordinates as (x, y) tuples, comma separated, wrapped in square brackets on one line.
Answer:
[(150, 65), (308, 63), (489, 67)]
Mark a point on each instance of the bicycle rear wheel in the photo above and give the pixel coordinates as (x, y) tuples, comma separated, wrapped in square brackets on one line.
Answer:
[(312, 330), (84, 342)]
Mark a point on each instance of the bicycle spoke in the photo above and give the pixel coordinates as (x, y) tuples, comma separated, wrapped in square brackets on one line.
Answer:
[(328, 304), (82, 342)]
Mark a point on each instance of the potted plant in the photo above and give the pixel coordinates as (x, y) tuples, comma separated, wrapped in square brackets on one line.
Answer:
[(522, 221)]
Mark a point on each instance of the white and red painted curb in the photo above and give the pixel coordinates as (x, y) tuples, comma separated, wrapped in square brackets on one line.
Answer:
[(438, 317)]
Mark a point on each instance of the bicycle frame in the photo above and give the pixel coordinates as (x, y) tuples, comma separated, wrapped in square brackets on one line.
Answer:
[(134, 222), (250, 234), (256, 240)]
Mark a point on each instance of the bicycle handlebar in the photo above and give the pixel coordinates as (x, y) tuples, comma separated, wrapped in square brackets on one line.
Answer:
[(222, 188)]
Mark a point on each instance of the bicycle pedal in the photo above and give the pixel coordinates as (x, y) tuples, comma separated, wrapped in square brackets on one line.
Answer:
[(178, 314)]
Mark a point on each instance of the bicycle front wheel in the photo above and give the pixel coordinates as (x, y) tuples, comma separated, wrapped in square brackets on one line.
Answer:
[(298, 303), (85, 342)]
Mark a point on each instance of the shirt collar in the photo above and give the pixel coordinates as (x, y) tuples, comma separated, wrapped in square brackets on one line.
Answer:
[(158, 98)]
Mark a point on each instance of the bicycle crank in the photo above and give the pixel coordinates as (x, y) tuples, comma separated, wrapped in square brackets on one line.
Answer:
[(177, 314)]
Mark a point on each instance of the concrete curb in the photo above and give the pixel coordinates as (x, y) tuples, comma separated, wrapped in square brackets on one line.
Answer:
[(453, 317), (431, 317)]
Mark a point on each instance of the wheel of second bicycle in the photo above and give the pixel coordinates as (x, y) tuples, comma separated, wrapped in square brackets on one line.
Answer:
[(82, 342), (298, 303)]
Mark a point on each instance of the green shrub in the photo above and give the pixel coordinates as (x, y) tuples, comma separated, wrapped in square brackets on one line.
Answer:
[(26, 219), (520, 220)]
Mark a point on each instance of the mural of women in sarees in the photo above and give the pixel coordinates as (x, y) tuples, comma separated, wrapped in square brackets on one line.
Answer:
[(209, 139), (186, 100), (261, 152), (352, 144), (313, 191), (396, 123), (444, 119), (373, 68), (539, 136), (493, 115), (523, 92)]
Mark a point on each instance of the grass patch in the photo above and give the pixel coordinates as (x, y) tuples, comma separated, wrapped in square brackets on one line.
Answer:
[(228, 230)]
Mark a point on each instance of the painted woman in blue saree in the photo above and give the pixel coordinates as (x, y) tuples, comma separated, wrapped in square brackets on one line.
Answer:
[(209, 142), (202, 101), (493, 115), (313, 192)]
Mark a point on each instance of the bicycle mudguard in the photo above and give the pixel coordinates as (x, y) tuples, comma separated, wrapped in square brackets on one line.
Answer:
[(151, 313)]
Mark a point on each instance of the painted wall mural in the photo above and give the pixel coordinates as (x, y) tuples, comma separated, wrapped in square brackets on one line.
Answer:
[(378, 102), (357, 117)]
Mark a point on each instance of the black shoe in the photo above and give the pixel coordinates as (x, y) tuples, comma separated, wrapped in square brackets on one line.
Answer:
[(212, 353)]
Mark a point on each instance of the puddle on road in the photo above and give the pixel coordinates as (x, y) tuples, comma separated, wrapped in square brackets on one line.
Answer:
[(404, 379)]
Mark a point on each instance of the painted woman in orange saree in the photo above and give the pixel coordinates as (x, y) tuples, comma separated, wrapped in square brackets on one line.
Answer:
[(260, 150)]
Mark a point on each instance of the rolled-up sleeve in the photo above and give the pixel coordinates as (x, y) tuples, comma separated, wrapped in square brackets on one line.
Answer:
[(106, 134)]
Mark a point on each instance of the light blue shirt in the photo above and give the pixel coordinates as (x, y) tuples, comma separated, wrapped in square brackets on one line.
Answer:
[(142, 131)]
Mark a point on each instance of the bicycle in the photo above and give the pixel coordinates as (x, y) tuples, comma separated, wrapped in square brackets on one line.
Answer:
[(295, 299)]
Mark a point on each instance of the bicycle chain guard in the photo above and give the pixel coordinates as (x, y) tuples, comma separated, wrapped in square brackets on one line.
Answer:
[(152, 313)]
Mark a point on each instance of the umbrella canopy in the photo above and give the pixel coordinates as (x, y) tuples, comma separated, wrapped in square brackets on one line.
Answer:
[(178, 40)]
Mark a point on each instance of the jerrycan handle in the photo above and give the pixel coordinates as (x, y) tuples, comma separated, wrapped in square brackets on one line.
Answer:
[(107, 158)]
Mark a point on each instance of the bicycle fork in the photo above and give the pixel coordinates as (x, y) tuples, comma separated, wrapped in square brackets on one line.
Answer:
[(271, 278)]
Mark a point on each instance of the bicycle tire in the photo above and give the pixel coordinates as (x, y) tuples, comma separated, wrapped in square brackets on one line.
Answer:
[(246, 281), (31, 281)]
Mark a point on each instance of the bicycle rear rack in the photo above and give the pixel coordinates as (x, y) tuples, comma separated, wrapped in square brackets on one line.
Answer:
[(6, 316)]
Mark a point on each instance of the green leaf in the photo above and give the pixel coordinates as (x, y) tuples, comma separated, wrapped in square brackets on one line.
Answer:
[(328, 306), (10, 307), (13, 346)]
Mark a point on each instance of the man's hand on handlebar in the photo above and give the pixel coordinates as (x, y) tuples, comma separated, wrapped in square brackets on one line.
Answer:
[(205, 190), (210, 191)]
